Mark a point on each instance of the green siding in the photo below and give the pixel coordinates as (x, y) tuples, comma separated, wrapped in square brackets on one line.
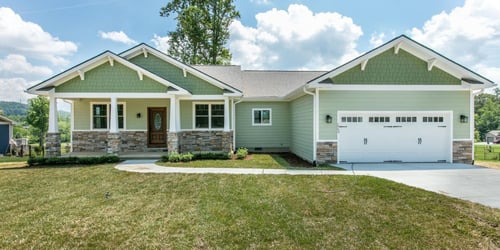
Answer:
[(186, 114), (333, 101), (301, 119), (276, 135), (402, 68), (111, 79), (175, 75), (132, 107)]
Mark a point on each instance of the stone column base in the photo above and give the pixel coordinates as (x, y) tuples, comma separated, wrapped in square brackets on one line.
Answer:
[(462, 151), (113, 145), (172, 142), (53, 145), (326, 152)]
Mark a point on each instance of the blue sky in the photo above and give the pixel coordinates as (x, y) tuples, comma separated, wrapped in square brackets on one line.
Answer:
[(41, 38)]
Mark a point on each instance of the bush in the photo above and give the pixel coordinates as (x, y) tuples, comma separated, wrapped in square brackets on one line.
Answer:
[(174, 157), (55, 161), (211, 156), (186, 157), (241, 153)]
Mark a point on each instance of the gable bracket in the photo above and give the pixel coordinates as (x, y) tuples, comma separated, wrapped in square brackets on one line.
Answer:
[(363, 64), (145, 52), (140, 74), (81, 74), (111, 61), (430, 63), (184, 72), (397, 47)]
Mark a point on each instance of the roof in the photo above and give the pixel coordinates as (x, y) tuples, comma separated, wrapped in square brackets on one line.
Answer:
[(5, 119), (260, 83), (494, 132)]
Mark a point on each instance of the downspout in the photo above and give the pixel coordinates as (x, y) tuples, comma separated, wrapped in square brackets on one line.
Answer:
[(233, 121), (315, 120)]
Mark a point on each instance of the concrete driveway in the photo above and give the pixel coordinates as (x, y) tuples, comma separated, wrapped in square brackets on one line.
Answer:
[(468, 182)]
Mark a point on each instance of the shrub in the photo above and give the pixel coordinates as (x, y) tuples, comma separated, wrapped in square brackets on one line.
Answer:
[(57, 161), (186, 157), (174, 157), (241, 153), (211, 156)]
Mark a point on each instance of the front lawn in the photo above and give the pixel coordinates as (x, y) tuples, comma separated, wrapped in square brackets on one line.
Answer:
[(54, 208), (489, 152), (267, 161)]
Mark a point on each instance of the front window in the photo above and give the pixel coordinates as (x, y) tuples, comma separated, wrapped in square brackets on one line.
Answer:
[(209, 116), (261, 117), (101, 116)]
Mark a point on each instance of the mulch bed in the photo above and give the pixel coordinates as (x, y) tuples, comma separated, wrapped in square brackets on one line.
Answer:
[(295, 161)]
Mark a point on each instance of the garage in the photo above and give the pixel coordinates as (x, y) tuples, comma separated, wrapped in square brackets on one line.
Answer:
[(394, 136)]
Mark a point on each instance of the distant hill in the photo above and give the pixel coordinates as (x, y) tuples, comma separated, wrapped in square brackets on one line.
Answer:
[(13, 108), (17, 111)]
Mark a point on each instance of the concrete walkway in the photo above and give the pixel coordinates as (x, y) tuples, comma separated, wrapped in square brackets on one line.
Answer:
[(467, 182)]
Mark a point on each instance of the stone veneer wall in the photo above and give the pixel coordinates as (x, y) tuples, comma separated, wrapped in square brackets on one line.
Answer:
[(172, 142), (326, 152), (462, 151), (53, 144), (90, 141), (196, 141), (134, 141)]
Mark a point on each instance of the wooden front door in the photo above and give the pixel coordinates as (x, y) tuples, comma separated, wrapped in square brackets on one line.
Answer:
[(157, 128)]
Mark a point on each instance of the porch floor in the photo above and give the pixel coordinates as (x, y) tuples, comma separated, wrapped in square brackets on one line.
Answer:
[(125, 155)]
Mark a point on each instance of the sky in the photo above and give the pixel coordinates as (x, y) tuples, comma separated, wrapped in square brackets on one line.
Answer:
[(39, 39)]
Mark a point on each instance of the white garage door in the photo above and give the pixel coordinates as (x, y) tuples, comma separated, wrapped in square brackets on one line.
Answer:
[(394, 136)]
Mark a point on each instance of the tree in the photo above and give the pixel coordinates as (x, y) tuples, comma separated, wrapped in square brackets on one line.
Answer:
[(38, 117), (487, 114), (202, 30)]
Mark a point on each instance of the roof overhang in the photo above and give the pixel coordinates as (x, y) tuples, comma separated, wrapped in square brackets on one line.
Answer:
[(144, 49), (48, 86), (470, 79)]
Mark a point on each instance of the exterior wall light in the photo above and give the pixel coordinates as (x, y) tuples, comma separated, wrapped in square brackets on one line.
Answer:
[(138, 115), (464, 119), (329, 119)]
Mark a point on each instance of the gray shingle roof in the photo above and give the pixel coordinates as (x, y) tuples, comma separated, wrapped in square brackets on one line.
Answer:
[(260, 83)]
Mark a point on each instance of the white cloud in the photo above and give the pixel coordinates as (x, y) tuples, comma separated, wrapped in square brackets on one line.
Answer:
[(295, 38), (470, 34), (29, 39), (117, 36), (377, 39), (17, 65), (15, 89), (161, 42)]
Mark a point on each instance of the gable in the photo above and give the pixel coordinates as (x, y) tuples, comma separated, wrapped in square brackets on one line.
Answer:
[(402, 68), (111, 79), (175, 75)]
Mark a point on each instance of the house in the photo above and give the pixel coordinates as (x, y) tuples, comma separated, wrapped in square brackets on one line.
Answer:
[(401, 101), (493, 136), (6, 132)]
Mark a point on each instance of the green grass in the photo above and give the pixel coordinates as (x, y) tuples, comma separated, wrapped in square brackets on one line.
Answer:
[(487, 152), (54, 208), (266, 161), (13, 159)]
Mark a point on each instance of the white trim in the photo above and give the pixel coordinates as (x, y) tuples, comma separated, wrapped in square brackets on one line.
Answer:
[(472, 121), (124, 95), (327, 140), (226, 114), (203, 97), (388, 87), (108, 116), (363, 64), (430, 63), (462, 140), (262, 124), (100, 130), (53, 126), (172, 118), (209, 116)]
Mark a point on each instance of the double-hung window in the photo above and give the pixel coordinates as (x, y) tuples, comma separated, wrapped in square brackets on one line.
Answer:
[(261, 117), (101, 115), (208, 116)]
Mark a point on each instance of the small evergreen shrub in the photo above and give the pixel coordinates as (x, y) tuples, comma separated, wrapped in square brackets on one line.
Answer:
[(186, 157), (241, 153), (174, 157)]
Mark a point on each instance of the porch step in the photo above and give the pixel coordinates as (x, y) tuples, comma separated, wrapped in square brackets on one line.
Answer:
[(157, 150)]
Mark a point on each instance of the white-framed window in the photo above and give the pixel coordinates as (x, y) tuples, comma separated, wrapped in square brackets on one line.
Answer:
[(262, 117), (208, 115), (100, 115)]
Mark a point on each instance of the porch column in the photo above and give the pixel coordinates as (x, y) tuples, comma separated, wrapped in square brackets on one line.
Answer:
[(172, 135), (113, 135), (53, 115), (226, 114), (53, 139), (113, 121)]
